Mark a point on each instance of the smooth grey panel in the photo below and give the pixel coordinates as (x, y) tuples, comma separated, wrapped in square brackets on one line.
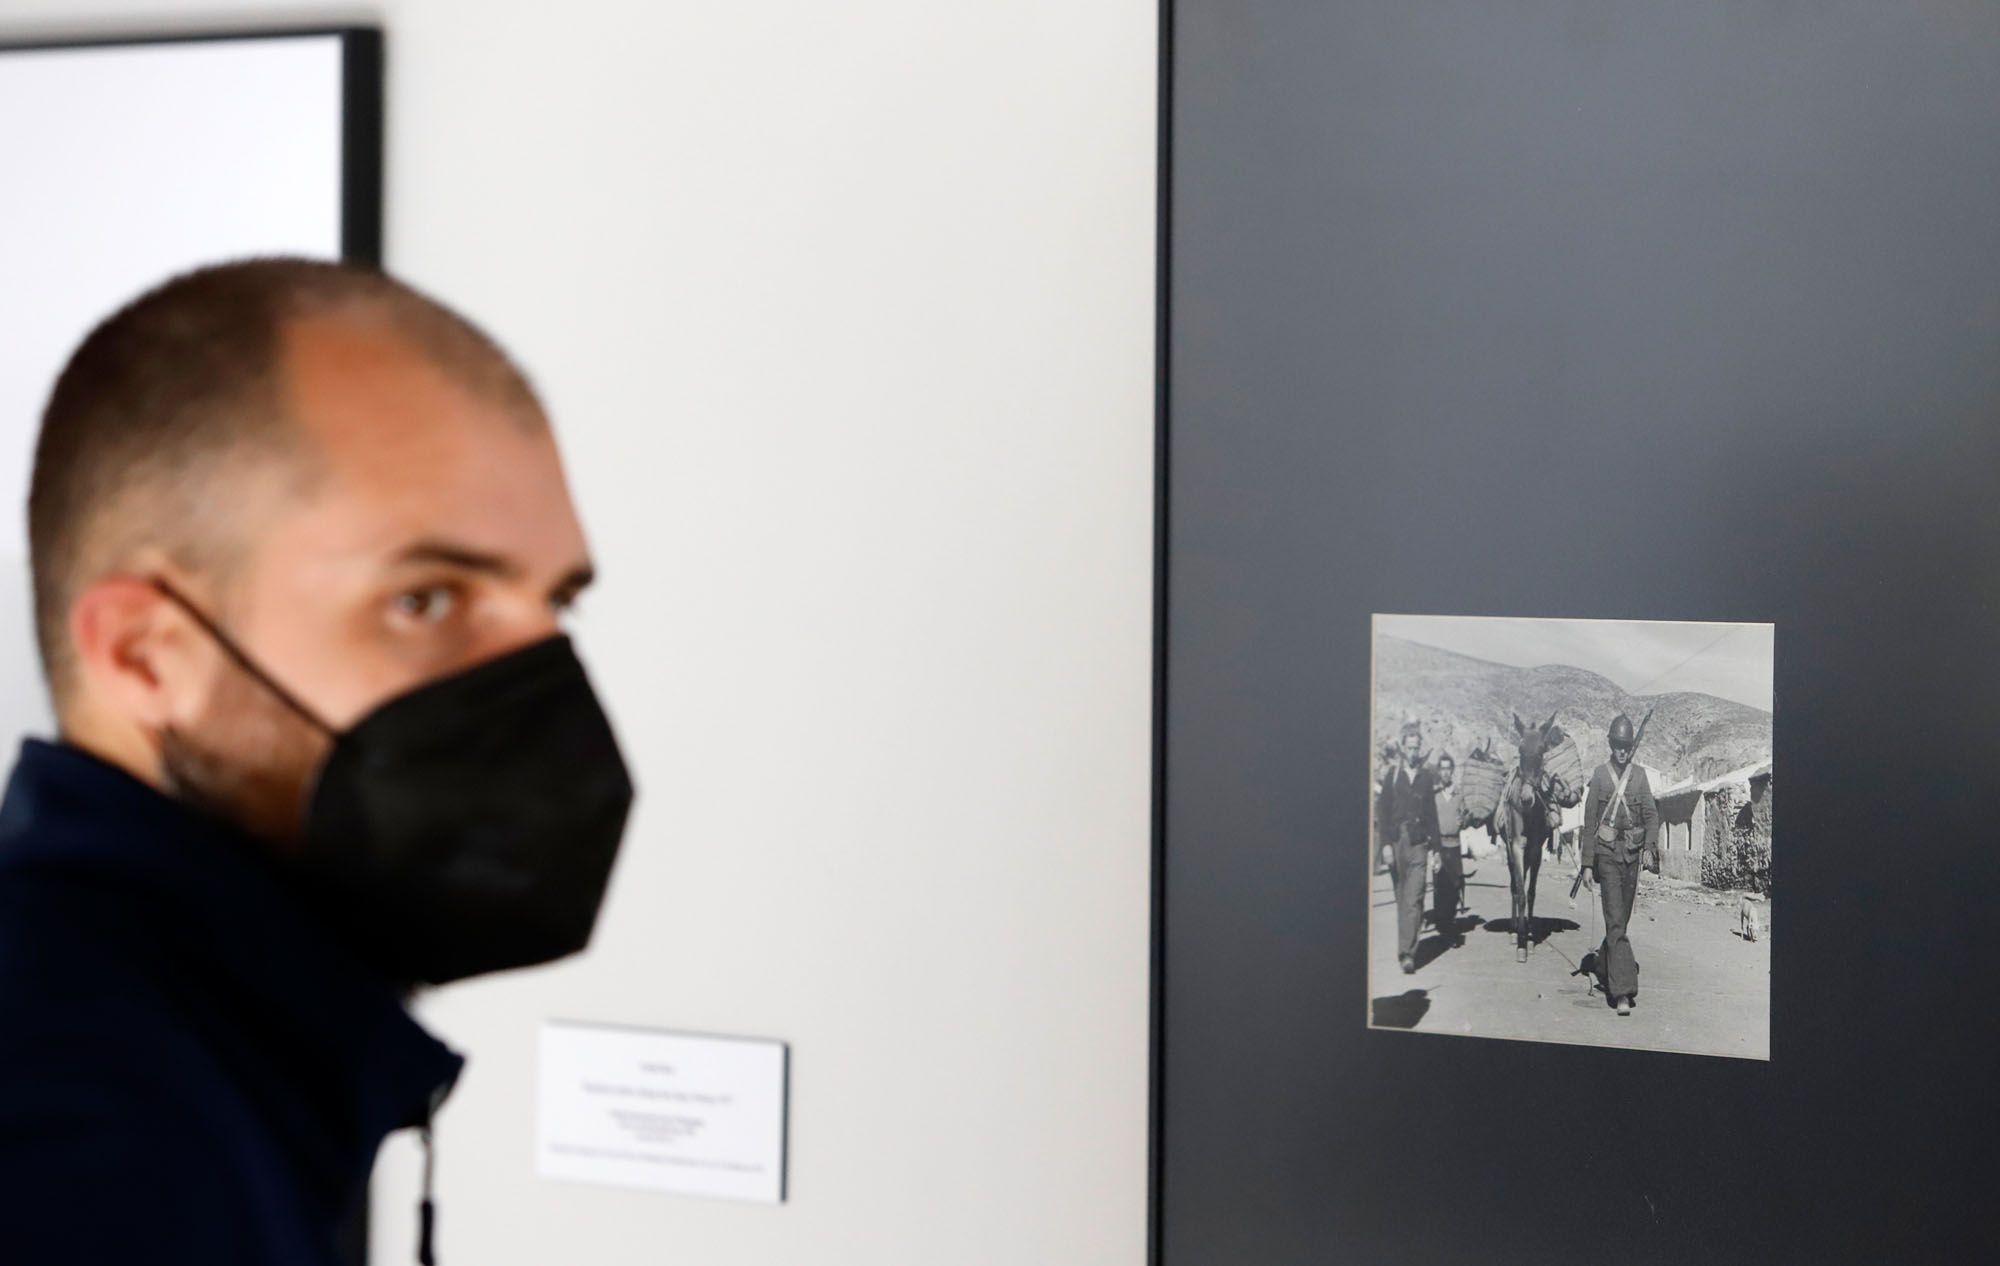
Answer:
[(1655, 311)]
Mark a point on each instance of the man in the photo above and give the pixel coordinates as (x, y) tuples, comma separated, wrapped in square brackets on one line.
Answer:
[(1447, 864), (301, 547), (1621, 824), (1406, 831)]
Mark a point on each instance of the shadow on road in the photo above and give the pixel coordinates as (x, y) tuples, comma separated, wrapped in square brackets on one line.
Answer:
[(1452, 927), (1429, 949), (1401, 1011), (1539, 929)]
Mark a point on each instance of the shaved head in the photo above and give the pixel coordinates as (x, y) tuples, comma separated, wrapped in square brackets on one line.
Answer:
[(153, 424)]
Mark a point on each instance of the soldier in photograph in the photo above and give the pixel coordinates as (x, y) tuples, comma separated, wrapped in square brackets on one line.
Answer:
[(1621, 825), (1406, 830)]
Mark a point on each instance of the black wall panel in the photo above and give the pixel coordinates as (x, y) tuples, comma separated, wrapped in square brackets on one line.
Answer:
[(1680, 310)]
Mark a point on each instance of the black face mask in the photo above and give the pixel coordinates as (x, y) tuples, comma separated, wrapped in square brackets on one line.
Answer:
[(467, 826)]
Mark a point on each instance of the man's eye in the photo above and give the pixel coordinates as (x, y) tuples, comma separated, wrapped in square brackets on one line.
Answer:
[(428, 605)]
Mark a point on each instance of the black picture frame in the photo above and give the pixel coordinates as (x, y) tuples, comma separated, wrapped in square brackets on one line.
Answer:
[(1824, 179), (362, 55)]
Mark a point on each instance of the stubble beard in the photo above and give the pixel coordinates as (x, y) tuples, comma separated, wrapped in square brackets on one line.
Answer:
[(247, 760)]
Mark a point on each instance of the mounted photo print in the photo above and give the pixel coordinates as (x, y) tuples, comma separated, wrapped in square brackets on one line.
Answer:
[(1570, 831), (138, 158)]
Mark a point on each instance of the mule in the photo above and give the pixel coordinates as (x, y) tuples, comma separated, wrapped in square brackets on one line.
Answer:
[(1525, 821)]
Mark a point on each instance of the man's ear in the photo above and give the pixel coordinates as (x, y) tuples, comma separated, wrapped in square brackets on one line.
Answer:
[(132, 650)]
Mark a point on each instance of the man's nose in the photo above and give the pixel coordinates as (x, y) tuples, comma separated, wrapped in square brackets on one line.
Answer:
[(523, 623)]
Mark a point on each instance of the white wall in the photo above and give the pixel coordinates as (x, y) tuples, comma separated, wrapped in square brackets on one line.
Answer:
[(844, 311)]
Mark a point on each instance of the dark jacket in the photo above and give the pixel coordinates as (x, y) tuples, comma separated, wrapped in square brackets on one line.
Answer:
[(190, 1070), (1403, 801), (1637, 821)]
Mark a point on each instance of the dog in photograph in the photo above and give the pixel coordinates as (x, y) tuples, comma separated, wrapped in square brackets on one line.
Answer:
[(1748, 926)]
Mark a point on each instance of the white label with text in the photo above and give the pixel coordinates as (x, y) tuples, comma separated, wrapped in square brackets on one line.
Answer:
[(694, 1115)]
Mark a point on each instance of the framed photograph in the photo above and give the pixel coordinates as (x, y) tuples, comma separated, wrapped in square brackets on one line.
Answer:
[(129, 160), (1521, 870), (1603, 401)]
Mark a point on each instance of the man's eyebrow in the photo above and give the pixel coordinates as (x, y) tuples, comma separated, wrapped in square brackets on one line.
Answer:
[(457, 556), (467, 557)]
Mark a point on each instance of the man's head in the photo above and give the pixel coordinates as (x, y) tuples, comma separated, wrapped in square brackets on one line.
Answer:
[(1622, 740), (352, 481), (1412, 741), (1445, 769)]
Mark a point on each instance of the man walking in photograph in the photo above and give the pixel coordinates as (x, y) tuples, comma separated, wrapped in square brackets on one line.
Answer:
[(1407, 829), (1621, 825)]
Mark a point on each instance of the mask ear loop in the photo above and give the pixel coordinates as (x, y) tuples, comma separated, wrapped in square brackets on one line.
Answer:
[(235, 652), (427, 1205)]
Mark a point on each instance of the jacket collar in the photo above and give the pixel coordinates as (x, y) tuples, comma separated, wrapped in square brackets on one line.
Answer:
[(334, 1057)]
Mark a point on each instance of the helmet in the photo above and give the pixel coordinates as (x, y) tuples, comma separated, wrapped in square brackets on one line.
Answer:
[(1621, 731)]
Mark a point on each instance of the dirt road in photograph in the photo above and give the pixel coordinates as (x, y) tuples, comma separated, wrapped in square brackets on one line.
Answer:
[(1702, 988)]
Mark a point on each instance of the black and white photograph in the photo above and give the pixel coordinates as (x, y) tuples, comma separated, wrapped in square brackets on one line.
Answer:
[(1570, 831)]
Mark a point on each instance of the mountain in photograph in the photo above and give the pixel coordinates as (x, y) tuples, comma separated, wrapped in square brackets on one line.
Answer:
[(1463, 701)]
